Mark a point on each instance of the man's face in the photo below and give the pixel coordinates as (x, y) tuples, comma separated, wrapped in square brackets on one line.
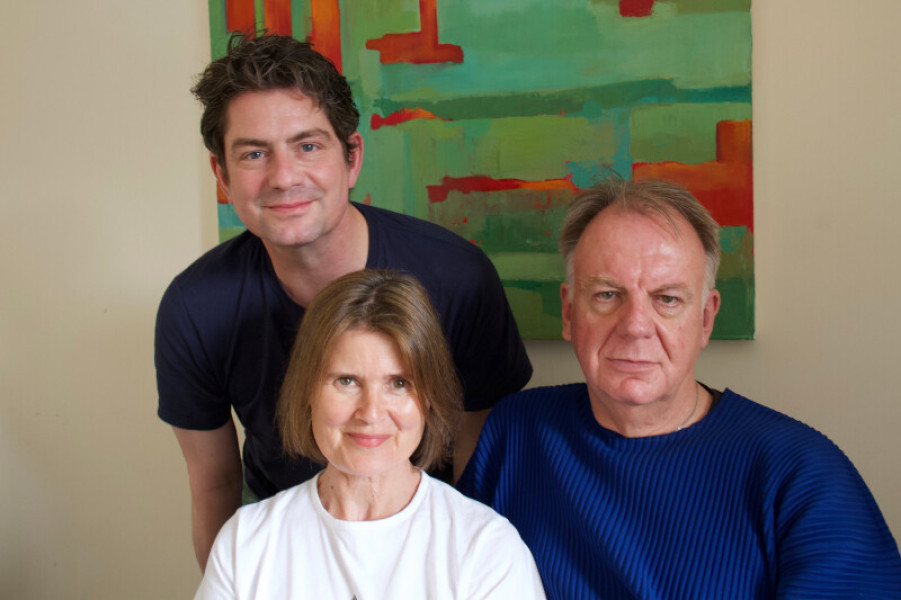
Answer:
[(638, 314), (285, 169)]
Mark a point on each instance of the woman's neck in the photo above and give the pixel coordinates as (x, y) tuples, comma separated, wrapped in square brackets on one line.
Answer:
[(352, 498)]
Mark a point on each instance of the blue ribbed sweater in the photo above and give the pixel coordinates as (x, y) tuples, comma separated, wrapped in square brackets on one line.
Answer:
[(746, 503)]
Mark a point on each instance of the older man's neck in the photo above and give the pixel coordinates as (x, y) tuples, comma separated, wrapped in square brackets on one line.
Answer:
[(661, 417)]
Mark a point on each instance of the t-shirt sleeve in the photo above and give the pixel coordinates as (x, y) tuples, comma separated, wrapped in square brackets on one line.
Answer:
[(485, 341), (189, 395), (218, 581), (501, 566), (832, 540)]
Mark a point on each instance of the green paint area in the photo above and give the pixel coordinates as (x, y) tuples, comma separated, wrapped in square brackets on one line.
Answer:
[(735, 320), (551, 45), (680, 132), (572, 100), (510, 221), (536, 306)]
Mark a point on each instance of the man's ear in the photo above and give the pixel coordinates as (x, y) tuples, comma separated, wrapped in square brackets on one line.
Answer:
[(221, 174), (711, 308), (567, 312), (355, 159)]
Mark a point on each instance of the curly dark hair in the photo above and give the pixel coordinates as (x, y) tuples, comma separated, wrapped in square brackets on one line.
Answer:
[(272, 62)]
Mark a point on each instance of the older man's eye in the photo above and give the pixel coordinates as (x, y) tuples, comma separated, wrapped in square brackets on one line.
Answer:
[(606, 295), (669, 300)]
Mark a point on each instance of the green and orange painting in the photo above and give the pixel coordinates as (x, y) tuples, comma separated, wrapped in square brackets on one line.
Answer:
[(489, 116)]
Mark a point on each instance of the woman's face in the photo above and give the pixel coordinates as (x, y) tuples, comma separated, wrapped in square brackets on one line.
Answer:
[(367, 420)]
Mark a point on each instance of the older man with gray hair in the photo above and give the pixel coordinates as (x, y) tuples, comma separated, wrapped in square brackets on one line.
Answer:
[(643, 482)]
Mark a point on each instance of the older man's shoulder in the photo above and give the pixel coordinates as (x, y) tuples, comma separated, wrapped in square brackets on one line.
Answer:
[(772, 431), (541, 403)]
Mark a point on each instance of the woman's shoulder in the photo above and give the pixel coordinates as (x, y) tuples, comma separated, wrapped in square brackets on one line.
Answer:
[(463, 514), (270, 515)]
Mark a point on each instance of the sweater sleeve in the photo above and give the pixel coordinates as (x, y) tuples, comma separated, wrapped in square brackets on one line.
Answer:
[(831, 538)]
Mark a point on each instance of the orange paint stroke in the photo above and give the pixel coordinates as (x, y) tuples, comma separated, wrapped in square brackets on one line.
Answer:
[(402, 116), (482, 183), (277, 17), (417, 47), (239, 16), (325, 34), (725, 186)]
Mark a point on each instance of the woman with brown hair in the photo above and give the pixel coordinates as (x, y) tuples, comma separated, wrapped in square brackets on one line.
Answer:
[(371, 393)]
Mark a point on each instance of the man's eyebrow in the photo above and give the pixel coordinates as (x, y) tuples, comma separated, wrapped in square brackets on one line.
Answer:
[(682, 288), (242, 142), (309, 133), (596, 280)]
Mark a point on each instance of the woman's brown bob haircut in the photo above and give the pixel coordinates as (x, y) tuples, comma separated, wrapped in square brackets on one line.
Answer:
[(385, 302)]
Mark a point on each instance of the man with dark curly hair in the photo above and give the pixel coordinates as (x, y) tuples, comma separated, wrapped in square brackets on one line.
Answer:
[(281, 127)]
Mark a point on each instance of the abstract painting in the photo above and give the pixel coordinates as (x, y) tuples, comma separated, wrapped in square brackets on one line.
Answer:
[(488, 117)]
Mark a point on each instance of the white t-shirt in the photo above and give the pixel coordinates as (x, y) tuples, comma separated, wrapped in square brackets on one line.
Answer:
[(441, 545)]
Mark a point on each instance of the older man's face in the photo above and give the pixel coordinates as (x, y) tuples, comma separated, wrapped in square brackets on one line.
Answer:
[(638, 315)]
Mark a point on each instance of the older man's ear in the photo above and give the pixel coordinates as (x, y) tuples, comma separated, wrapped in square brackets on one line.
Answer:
[(711, 308), (567, 311)]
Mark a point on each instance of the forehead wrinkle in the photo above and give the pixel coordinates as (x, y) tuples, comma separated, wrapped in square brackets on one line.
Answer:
[(594, 280)]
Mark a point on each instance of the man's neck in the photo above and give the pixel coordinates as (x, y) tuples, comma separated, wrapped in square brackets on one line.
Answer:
[(304, 270), (657, 418)]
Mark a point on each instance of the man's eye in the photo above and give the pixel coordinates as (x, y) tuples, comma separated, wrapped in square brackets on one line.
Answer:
[(669, 300), (307, 147), (255, 155), (608, 295)]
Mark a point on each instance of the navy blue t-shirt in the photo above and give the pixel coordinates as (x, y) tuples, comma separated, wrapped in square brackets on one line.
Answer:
[(225, 330)]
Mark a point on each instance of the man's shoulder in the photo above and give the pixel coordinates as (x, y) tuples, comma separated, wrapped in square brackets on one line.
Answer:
[(221, 271), (223, 260), (539, 404), (774, 432)]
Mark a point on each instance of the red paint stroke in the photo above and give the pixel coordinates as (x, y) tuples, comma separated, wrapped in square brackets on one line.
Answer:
[(482, 183), (636, 8), (725, 186), (239, 16), (277, 17), (325, 34), (402, 116), (417, 47)]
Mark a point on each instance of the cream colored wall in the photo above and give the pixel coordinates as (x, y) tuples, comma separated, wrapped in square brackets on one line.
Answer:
[(106, 195)]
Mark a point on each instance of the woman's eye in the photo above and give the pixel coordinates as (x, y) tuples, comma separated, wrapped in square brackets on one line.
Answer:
[(344, 381), (399, 384)]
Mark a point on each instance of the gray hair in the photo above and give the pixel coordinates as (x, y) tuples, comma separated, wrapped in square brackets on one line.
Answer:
[(649, 197)]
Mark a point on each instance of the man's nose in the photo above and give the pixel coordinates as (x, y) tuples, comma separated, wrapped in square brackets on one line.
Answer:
[(635, 318), (284, 171)]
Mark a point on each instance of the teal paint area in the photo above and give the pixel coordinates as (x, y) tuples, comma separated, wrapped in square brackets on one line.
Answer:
[(229, 223)]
